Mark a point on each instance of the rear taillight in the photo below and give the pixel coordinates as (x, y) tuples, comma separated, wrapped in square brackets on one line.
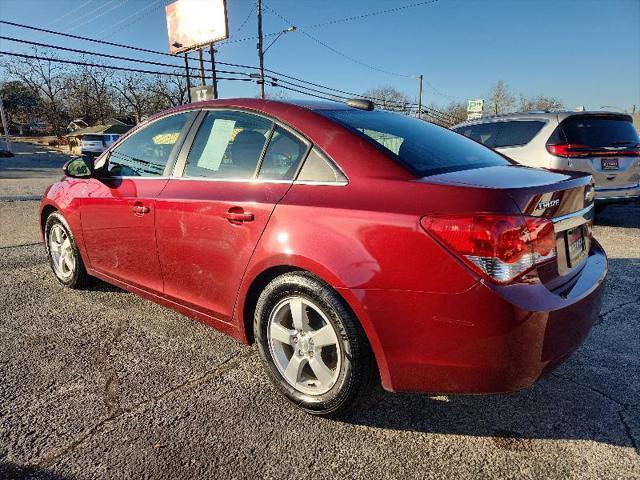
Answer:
[(570, 150), (575, 150), (500, 247)]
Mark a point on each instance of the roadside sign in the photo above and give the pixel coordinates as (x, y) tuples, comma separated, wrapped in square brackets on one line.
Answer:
[(202, 93), (474, 109), (194, 23)]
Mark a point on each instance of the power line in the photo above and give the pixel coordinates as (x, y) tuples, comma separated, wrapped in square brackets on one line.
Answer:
[(101, 14), (244, 22), (337, 20), (338, 52), (106, 55), (73, 10), (371, 14), (111, 67), (86, 14), (112, 26)]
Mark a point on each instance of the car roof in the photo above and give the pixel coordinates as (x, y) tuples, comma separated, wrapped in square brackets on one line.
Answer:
[(538, 115), (265, 104)]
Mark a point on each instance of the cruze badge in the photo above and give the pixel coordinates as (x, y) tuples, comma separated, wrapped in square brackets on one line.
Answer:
[(589, 193), (548, 204)]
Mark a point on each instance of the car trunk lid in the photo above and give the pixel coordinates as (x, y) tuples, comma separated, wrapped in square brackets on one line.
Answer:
[(564, 198)]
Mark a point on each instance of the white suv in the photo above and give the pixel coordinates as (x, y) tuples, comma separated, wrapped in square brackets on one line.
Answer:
[(604, 144), (94, 144)]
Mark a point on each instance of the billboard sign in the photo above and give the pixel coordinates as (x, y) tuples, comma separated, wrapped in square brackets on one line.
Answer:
[(195, 23), (474, 109)]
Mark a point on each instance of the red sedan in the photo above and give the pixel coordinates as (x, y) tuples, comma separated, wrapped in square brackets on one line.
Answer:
[(344, 240)]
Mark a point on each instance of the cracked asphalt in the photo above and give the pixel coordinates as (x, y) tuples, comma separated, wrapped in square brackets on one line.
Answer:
[(103, 384)]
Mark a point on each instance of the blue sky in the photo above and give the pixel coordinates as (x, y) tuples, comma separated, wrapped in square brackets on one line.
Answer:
[(584, 52)]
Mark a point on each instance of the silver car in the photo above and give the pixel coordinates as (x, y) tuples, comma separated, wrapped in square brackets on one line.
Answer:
[(604, 144)]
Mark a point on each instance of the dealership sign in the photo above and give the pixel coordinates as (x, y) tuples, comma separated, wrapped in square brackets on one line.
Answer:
[(194, 23), (474, 109)]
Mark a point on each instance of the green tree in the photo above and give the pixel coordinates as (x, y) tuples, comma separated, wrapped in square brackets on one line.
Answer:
[(20, 103)]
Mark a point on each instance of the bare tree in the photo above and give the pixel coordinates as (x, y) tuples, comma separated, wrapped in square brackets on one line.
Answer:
[(89, 94), (169, 91), (457, 111), (135, 95), (389, 98), (46, 79), (541, 102), (501, 100)]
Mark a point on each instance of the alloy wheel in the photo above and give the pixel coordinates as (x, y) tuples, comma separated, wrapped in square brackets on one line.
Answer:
[(61, 251), (304, 345)]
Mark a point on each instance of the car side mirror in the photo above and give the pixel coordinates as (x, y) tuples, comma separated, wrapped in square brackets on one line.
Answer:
[(77, 168)]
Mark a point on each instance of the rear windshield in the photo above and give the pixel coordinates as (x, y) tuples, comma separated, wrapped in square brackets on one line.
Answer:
[(598, 131), (424, 148), (92, 138)]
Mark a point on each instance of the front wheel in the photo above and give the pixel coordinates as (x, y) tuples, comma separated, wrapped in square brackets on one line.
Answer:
[(312, 346), (64, 257)]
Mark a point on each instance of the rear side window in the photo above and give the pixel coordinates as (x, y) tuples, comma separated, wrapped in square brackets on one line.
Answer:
[(484, 133), (422, 147), (282, 157), (228, 145), (598, 131), (515, 133)]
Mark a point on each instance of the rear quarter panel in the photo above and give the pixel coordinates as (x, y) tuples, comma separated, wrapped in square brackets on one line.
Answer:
[(366, 237)]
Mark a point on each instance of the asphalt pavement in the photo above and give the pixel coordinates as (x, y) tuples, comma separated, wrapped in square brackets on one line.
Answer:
[(103, 384)]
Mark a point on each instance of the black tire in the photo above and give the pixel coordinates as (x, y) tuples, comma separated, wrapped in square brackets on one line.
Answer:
[(79, 277), (357, 366)]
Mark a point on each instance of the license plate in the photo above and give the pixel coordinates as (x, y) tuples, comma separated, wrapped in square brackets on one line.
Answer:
[(609, 163), (576, 246)]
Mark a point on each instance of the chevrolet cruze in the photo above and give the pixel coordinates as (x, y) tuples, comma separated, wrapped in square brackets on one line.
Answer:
[(348, 242)]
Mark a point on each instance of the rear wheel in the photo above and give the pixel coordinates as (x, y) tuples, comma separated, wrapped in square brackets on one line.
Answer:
[(64, 257), (313, 348)]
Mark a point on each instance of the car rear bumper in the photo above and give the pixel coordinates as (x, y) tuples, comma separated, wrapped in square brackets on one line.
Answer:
[(628, 192), (488, 339)]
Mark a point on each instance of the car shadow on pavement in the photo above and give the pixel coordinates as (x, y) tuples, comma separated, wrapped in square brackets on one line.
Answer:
[(12, 471), (626, 215), (554, 409), (99, 286)]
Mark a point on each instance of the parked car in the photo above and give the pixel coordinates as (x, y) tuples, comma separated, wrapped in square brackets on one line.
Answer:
[(345, 241), (604, 144), (95, 144)]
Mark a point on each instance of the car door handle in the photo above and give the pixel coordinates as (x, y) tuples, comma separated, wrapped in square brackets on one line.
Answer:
[(238, 216), (140, 209)]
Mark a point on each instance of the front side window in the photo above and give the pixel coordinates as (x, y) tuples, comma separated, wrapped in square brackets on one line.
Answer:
[(146, 153), (228, 145), (422, 147), (282, 156)]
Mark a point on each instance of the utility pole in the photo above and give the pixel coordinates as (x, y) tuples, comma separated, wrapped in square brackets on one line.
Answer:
[(260, 52), (214, 79), (186, 66), (203, 80), (419, 96), (5, 126)]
